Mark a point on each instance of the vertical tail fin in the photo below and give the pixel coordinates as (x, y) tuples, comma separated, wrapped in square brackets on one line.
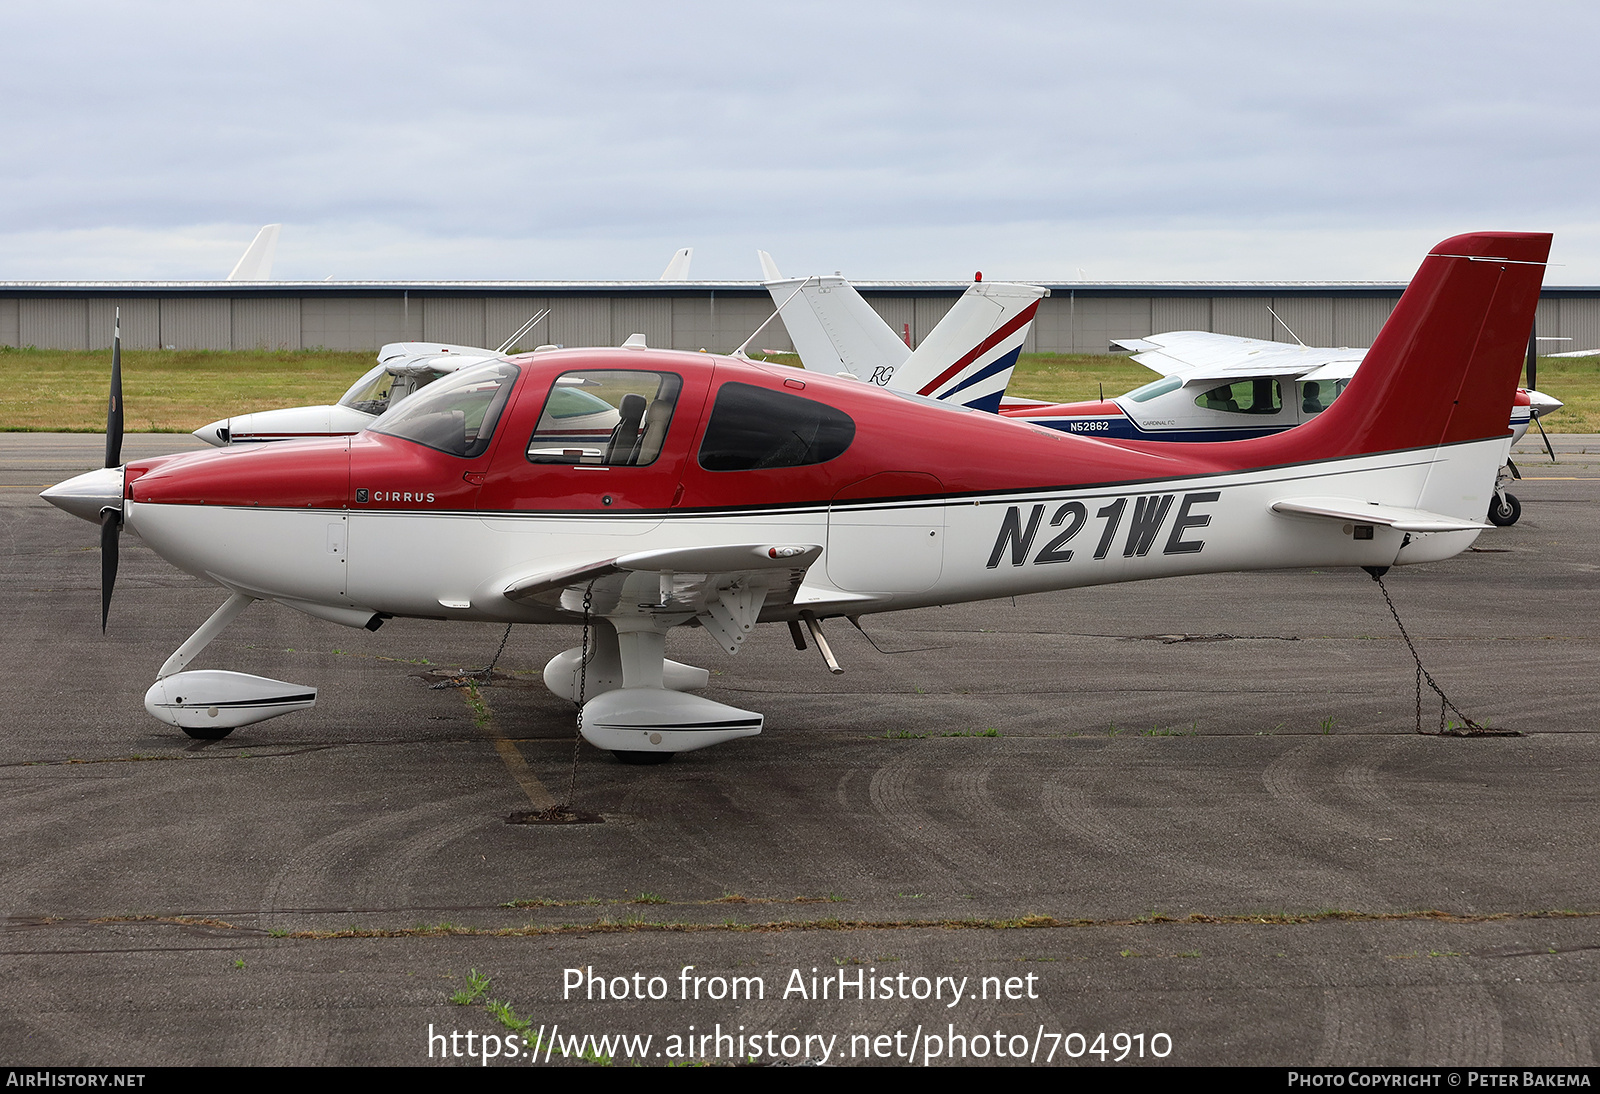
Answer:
[(1445, 366), (835, 330), (256, 262), (678, 268), (968, 358)]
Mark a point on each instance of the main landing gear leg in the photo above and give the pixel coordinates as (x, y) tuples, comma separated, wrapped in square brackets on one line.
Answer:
[(646, 720), (563, 677)]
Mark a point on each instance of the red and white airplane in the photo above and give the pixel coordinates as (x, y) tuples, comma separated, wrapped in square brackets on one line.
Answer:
[(731, 493)]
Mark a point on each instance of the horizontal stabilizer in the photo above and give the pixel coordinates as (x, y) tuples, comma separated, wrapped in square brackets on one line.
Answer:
[(1398, 517)]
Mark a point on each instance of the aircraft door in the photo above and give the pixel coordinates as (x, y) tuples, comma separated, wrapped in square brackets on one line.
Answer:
[(606, 443), (881, 545)]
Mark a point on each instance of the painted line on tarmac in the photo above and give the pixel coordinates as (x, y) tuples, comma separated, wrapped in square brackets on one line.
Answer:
[(538, 796)]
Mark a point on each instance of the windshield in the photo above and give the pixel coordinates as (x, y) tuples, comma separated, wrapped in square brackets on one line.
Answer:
[(1154, 388), (370, 394), (456, 414)]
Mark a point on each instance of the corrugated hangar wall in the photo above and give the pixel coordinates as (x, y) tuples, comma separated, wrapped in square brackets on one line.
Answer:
[(1074, 319)]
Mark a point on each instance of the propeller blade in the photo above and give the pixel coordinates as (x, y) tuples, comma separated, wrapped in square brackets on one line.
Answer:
[(114, 407), (1548, 447), (1533, 358), (110, 529)]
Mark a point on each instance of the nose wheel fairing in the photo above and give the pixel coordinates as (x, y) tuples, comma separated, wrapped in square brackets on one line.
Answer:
[(215, 701)]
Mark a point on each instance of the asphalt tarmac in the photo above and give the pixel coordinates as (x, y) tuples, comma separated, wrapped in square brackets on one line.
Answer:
[(1193, 812)]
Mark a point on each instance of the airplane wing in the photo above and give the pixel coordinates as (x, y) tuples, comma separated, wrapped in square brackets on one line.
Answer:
[(723, 586), (415, 358), (1199, 357)]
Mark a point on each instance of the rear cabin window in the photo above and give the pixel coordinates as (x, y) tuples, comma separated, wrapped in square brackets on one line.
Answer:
[(611, 417), (1254, 396), (757, 429)]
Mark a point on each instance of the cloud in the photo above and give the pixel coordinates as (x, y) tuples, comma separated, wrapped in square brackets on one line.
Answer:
[(473, 140)]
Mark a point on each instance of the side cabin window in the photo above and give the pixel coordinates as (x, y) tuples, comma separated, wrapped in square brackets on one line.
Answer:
[(457, 415), (1317, 395), (609, 417), (1260, 395), (756, 429)]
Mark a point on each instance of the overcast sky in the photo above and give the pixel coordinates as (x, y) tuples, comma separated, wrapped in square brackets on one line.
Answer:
[(1053, 141)]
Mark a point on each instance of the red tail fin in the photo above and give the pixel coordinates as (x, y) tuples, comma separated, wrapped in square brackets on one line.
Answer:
[(1445, 366)]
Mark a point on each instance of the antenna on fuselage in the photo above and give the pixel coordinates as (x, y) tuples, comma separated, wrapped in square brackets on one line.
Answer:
[(524, 329), (740, 351)]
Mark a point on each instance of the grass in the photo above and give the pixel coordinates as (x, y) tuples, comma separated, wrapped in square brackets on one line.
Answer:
[(175, 391), (1074, 377), (477, 984), (165, 391), (1168, 731)]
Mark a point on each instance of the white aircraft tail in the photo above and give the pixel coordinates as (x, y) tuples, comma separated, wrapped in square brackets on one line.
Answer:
[(834, 330), (678, 268), (967, 358), (256, 262)]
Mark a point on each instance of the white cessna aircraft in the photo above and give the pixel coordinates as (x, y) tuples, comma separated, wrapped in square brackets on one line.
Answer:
[(402, 369), (1219, 387), (731, 493)]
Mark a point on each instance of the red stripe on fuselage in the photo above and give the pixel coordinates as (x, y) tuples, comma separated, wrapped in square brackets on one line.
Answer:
[(1090, 409)]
